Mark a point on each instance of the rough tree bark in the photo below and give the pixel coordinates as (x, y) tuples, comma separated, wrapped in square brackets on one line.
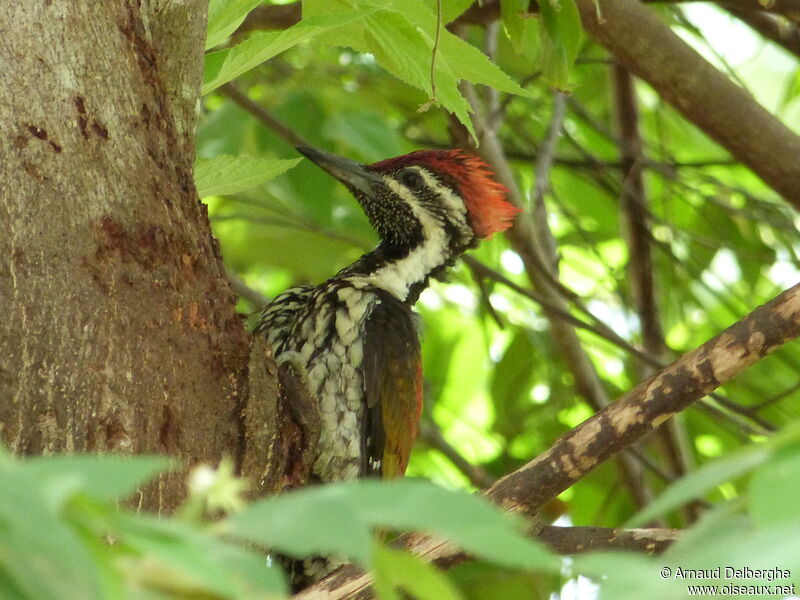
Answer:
[(118, 330)]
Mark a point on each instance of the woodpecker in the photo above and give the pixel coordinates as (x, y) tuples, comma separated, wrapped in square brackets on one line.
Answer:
[(355, 336)]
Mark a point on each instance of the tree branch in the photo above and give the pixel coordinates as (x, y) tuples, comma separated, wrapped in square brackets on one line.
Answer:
[(649, 48), (650, 403), (785, 34), (576, 540), (241, 289), (431, 434), (260, 113)]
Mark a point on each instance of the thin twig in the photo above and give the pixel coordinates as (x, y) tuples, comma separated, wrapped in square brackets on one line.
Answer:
[(431, 434), (240, 288), (671, 437), (777, 29), (434, 53), (760, 140), (481, 270), (260, 113), (547, 150)]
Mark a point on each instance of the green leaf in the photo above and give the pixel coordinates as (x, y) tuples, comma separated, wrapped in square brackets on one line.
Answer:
[(402, 49), (225, 65), (468, 520), (102, 476), (698, 482), (774, 492), (625, 576), (511, 383), (401, 37), (304, 523), (512, 13), (224, 16), (461, 59), (482, 581), (451, 9), (560, 38), (225, 175), (395, 569), (40, 555), (196, 560), (337, 519)]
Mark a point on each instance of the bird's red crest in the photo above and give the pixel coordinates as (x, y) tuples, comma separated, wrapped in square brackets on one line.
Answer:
[(484, 197)]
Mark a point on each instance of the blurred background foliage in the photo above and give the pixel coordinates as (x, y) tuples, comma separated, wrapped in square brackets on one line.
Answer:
[(497, 389)]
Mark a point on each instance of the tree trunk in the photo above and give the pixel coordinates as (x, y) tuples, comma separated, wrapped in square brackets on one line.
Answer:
[(118, 329)]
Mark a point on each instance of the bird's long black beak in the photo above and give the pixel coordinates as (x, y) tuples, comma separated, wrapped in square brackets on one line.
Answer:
[(354, 175)]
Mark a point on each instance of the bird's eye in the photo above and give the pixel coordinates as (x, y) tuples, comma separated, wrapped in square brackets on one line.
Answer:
[(411, 179)]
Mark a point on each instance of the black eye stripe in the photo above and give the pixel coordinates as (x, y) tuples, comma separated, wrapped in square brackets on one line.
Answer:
[(411, 179)]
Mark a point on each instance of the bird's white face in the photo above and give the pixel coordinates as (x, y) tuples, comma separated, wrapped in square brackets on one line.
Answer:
[(418, 207), (432, 231)]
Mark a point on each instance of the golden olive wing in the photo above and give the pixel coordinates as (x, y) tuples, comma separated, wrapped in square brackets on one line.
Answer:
[(392, 372)]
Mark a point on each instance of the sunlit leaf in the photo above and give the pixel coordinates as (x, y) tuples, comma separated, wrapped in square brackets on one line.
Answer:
[(337, 519), (398, 570), (698, 482), (107, 476), (224, 175), (224, 16), (222, 66), (401, 37), (560, 37), (780, 472), (41, 555)]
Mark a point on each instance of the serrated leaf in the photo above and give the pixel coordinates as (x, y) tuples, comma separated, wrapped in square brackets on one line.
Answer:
[(225, 65), (225, 175), (224, 16), (401, 48), (457, 58), (560, 38), (401, 38), (395, 569)]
